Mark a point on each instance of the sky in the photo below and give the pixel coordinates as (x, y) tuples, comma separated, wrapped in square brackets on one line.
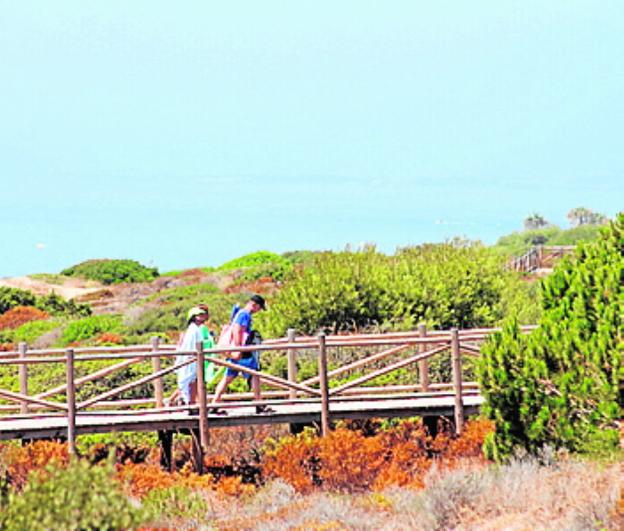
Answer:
[(184, 134)]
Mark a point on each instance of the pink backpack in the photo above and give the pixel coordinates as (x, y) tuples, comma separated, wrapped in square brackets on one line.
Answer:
[(226, 339)]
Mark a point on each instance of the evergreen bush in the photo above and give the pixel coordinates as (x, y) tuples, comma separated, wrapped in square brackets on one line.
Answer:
[(258, 265), (28, 332), (78, 497), (112, 271), (252, 260), (53, 304), (560, 386), (56, 305), (12, 297), (89, 327), (458, 283), (168, 505)]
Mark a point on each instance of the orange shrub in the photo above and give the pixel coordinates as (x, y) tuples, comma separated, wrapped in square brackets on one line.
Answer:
[(16, 317), (139, 479), (108, 338), (295, 460), (348, 460), (408, 446), (21, 460), (233, 486), (471, 441)]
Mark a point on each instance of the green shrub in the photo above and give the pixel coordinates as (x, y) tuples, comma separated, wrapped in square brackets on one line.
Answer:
[(193, 294), (56, 305), (300, 258), (259, 265), (53, 304), (176, 503), (89, 327), (560, 386), (78, 497), (31, 331), (252, 260), (112, 271), (88, 444), (454, 284), (12, 297), (277, 271)]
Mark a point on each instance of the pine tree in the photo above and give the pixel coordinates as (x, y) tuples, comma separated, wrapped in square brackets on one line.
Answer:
[(561, 385)]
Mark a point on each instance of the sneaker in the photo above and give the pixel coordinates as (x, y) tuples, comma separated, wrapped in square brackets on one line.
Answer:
[(217, 411), (264, 409)]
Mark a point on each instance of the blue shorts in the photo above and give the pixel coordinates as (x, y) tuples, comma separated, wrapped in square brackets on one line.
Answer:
[(251, 363)]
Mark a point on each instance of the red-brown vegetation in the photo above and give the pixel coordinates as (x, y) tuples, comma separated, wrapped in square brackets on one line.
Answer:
[(108, 338), (348, 460), (16, 317), (19, 461), (345, 460), (264, 285)]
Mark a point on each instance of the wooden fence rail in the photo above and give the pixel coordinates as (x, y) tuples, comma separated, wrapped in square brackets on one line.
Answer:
[(414, 348), (540, 257)]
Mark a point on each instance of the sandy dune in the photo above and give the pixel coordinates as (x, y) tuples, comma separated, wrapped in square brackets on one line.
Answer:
[(69, 289)]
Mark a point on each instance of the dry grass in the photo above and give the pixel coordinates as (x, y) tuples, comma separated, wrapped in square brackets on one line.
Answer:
[(523, 495)]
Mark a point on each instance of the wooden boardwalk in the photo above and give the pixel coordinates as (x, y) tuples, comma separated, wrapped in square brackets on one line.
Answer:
[(541, 259), (350, 390), (435, 405)]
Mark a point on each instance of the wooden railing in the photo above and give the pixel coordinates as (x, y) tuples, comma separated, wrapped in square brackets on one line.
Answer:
[(398, 350), (541, 257)]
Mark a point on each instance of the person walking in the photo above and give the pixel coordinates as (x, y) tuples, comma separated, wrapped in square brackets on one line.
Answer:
[(196, 332), (241, 333), (211, 371)]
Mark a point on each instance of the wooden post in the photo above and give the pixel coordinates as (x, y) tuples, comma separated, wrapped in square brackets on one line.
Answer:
[(423, 365), (201, 397), (457, 381), (165, 439), (292, 363), (322, 365), (71, 402), (23, 376), (158, 382), (197, 454)]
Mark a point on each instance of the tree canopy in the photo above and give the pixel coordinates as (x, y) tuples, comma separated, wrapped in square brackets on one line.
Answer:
[(561, 384)]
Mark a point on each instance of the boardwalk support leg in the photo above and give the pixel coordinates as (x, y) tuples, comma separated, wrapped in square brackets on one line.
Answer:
[(165, 440), (431, 424), (197, 454), (201, 396)]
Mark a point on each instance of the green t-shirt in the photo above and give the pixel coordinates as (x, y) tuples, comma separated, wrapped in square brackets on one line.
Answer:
[(207, 339), (211, 371)]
